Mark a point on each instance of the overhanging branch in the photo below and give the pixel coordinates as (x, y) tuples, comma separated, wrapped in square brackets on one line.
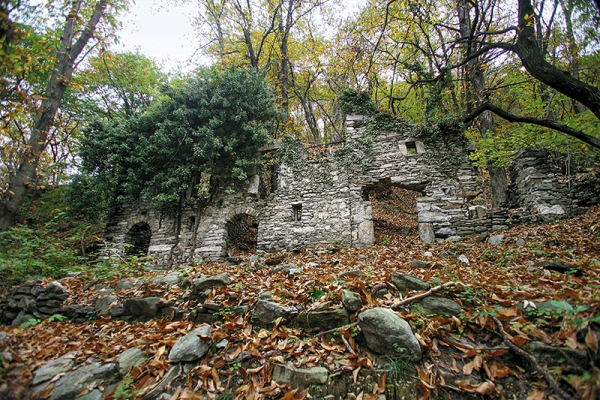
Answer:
[(584, 137)]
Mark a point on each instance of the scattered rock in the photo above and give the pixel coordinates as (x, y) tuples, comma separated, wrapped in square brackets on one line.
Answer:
[(438, 306), (298, 377), (482, 236), (463, 259), (387, 333), (323, 320), (351, 300), (266, 295), (286, 268), (266, 312), (496, 240), (428, 254), (128, 359), (201, 284), (53, 368), (520, 242), (426, 232), (405, 282), (191, 347), (104, 304), (93, 395), (74, 382), (560, 266), (126, 283), (141, 306), (422, 264), (454, 238), (172, 279)]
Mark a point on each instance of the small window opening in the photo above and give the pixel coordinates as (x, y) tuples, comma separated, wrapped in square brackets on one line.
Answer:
[(192, 222), (297, 212), (411, 148)]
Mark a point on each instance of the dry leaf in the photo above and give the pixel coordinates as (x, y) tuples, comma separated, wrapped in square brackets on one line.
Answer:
[(591, 340)]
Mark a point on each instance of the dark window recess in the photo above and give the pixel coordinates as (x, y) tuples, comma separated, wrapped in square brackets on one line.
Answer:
[(192, 222), (296, 212), (411, 148), (137, 240)]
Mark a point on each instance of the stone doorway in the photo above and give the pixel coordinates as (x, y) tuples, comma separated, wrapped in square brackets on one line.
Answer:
[(242, 234), (394, 212), (137, 240)]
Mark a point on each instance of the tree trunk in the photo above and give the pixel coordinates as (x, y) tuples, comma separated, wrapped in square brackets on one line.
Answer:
[(476, 78), (533, 60), (66, 57)]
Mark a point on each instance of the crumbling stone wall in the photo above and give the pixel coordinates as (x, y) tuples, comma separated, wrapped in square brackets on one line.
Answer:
[(318, 202), (539, 189)]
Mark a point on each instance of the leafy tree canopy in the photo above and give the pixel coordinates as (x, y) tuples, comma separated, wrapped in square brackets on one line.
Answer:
[(200, 138)]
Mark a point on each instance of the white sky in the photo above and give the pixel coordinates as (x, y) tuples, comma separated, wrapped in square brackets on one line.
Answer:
[(164, 32)]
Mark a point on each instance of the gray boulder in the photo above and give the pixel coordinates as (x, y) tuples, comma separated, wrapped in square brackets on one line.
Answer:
[(422, 264), (201, 284), (405, 282), (351, 300), (126, 283), (426, 232), (51, 369), (496, 239), (323, 320), (438, 306), (191, 347), (141, 306), (104, 304), (74, 382), (266, 312), (300, 377), (93, 395), (387, 333), (172, 279), (128, 359)]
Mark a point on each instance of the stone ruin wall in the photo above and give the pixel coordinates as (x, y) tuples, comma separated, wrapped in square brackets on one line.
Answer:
[(334, 204)]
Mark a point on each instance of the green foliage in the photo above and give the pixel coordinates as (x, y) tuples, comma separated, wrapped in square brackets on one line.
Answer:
[(27, 252), (125, 389), (315, 293), (356, 102), (202, 137), (31, 322), (57, 317)]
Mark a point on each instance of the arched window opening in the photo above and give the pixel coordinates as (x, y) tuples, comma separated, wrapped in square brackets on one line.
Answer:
[(242, 234), (137, 240)]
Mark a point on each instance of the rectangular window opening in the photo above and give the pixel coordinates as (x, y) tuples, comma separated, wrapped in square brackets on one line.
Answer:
[(192, 222), (411, 148), (296, 212)]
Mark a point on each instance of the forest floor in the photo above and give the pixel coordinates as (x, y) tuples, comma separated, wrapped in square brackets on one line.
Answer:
[(466, 355)]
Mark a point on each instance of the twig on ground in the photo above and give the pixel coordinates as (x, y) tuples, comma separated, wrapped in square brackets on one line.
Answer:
[(403, 302), (428, 293), (553, 384)]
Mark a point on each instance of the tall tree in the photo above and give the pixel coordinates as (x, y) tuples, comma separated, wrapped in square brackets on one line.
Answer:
[(75, 38)]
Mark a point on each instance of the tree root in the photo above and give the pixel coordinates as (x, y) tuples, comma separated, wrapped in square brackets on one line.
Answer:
[(549, 379)]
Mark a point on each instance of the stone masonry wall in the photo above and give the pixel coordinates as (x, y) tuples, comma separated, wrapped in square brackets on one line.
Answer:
[(322, 202)]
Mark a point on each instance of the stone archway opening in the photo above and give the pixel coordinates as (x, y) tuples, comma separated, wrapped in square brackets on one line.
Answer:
[(394, 210), (242, 234), (137, 240)]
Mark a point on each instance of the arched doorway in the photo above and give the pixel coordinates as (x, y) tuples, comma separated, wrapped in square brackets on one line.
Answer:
[(137, 240), (242, 234)]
